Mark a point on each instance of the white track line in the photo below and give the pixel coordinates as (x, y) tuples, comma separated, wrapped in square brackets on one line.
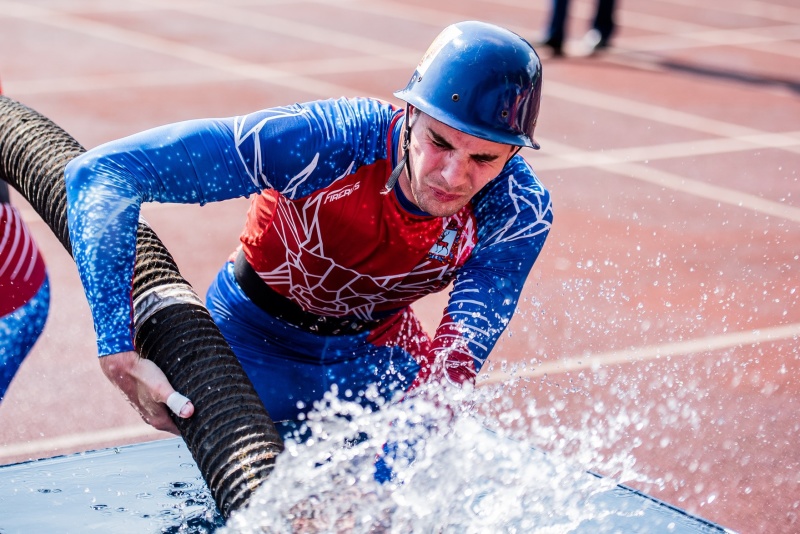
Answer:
[(714, 193), (752, 8), (651, 112), (589, 361), (741, 135), (564, 157), (619, 163), (188, 53), (35, 448), (652, 352)]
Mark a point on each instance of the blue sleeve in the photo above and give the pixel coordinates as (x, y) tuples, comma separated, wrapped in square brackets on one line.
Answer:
[(514, 215), (296, 150)]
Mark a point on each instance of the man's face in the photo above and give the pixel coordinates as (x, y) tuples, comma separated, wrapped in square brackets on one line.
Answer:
[(448, 167)]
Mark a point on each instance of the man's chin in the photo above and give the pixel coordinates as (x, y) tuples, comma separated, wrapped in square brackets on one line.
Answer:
[(439, 210), (433, 206)]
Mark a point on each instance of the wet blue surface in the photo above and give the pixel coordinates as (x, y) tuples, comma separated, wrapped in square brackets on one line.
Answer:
[(157, 487), (149, 487)]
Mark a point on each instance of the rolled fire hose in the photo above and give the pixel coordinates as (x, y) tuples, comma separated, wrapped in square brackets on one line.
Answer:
[(231, 436)]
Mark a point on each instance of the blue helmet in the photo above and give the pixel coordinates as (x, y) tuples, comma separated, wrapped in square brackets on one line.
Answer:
[(482, 80)]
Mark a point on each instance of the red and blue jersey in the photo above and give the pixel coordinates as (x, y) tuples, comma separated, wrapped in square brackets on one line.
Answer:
[(318, 230), (24, 292), (22, 269)]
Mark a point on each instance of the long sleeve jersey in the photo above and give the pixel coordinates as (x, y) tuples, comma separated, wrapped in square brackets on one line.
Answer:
[(318, 230), (22, 268)]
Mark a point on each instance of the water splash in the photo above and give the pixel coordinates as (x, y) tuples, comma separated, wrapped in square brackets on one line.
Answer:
[(453, 471)]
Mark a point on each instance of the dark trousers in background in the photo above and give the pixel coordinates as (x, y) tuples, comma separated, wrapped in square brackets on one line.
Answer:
[(603, 21)]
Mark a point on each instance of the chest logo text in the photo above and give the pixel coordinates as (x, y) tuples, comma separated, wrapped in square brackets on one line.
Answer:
[(341, 193)]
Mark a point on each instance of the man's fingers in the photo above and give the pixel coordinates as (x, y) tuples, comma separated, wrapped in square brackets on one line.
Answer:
[(180, 405)]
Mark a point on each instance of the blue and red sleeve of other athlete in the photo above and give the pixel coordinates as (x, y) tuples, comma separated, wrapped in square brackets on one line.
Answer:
[(22, 269)]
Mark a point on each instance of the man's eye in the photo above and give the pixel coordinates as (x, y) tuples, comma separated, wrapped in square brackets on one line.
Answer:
[(439, 143)]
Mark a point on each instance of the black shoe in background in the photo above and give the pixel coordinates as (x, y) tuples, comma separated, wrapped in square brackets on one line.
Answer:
[(556, 47)]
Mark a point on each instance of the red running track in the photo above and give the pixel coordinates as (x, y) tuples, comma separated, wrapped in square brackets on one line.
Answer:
[(662, 319)]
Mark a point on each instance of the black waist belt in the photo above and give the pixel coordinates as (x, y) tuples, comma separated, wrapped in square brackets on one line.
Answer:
[(282, 308)]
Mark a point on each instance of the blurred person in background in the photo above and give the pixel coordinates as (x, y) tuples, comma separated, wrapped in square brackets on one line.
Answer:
[(595, 40)]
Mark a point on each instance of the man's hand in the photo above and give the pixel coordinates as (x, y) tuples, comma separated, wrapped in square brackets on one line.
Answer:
[(147, 389)]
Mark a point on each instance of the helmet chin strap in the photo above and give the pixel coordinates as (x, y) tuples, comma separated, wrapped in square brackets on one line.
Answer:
[(404, 161)]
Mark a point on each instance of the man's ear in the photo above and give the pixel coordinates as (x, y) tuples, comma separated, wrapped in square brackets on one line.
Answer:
[(412, 115)]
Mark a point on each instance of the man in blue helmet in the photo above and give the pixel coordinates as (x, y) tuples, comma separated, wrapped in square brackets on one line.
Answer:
[(358, 209)]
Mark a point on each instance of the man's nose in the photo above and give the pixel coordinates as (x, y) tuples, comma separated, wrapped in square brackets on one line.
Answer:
[(454, 170)]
